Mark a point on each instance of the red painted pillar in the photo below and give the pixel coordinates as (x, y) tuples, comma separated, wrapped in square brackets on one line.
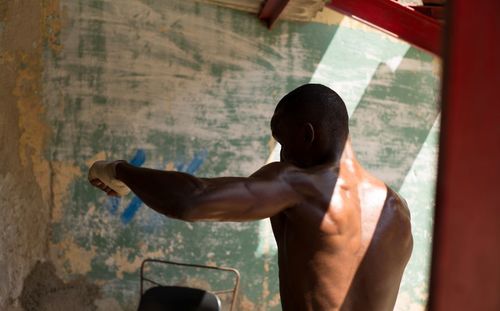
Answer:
[(466, 254)]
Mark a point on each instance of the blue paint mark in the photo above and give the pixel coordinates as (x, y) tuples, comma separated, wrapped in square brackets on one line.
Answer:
[(113, 204), (196, 162), (139, 158), (131, 210), (179, 166)]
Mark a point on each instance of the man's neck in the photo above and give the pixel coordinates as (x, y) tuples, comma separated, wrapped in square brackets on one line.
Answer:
[(348, 159)]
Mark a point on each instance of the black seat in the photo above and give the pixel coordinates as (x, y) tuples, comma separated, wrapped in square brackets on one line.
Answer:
[(173, 298)]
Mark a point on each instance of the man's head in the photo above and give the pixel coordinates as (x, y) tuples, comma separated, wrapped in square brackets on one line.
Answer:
[(311, 124)]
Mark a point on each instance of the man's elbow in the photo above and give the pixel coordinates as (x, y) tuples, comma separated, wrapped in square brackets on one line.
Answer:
[(186, 214), (180, 210)]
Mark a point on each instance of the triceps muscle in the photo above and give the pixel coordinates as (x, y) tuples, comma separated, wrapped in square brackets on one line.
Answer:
[(243, 199)]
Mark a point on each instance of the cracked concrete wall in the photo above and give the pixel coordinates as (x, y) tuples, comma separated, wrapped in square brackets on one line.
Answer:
[(24, 172), (27, 277)]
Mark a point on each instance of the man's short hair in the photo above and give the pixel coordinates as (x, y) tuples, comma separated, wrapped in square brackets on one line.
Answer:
[(320, 106)]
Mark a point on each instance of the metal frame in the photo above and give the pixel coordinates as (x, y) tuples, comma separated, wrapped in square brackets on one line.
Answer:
[(271, 10), (398, 20), (466, 249), (174, 263)]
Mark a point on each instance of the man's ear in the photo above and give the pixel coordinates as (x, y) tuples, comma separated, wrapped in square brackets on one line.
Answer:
[(309, 133)]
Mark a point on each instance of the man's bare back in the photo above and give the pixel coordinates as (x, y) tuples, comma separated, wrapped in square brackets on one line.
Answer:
[(343, 237), (346, 247)]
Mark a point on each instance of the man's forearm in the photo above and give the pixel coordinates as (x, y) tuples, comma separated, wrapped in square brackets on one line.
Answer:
[(166, 192)]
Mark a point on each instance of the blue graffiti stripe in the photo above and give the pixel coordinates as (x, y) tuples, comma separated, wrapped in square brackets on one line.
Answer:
[(139, 158), (196, 162), (179, 166), (131, 210), (113, 204)]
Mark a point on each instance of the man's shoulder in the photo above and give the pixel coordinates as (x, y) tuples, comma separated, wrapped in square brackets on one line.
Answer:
[(397, 214), (274, 170), (309, 183), (397, 203), (377, 191), (383, 205), (284, 171)]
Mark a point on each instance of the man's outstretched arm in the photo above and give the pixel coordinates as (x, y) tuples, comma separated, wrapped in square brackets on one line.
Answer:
[(183, 196)]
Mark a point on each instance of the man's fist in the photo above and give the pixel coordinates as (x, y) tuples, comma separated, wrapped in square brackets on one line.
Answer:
[(102, 174)]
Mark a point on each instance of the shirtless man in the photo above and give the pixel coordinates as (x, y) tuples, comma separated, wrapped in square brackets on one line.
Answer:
[(343, 236)]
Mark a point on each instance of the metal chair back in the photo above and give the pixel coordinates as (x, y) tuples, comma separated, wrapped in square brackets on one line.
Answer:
[(233, 291)]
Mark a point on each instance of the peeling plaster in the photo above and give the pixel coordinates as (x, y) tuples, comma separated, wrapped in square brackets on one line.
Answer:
[(24, 171), (63, 176), (121, 263), (68, 256)]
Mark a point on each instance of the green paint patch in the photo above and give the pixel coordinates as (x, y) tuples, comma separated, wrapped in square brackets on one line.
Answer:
[(97, 39), (96, 4), (58, 230), (219, 69), (100, 271), (100, 100)]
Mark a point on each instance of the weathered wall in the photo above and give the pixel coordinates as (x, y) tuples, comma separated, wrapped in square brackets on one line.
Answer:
[(24, 203), (191, 87), (167, 84)]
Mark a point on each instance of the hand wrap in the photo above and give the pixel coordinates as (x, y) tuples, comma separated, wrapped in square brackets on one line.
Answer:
[(105, 172)]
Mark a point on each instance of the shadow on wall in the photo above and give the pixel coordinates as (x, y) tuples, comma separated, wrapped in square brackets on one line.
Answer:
[(391, 123)]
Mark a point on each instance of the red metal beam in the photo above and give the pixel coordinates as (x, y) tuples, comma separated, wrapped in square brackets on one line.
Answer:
[(466, 256), (271, 10), (433, 11), (398, 20)]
